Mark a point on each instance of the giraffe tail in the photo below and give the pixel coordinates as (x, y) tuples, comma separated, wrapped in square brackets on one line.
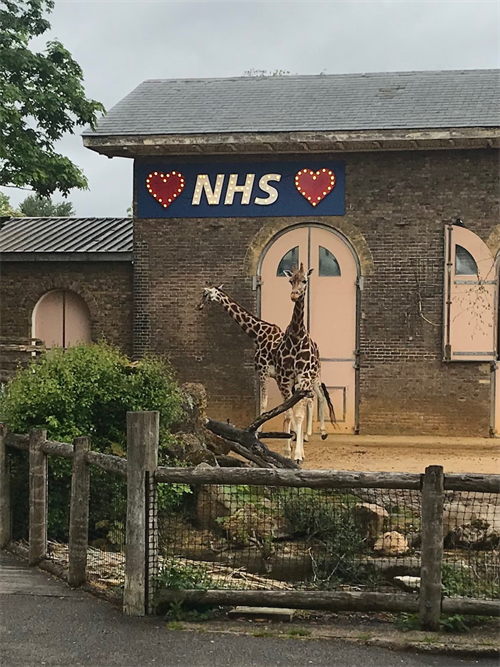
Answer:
[(333, 419)]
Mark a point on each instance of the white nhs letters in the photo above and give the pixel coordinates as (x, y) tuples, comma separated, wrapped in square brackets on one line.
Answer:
[(213, 195)]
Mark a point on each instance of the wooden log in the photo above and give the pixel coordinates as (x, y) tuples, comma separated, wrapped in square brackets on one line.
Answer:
[(5, 509), (278, 410), (227, 461), (432, 548), (315, 479), (328, 600), (58, 448), (142, 452), (17, 441), (79, 513), (38, 497), (468, 606), (108, 463), (472, 482), (250, 441), (250, 456)]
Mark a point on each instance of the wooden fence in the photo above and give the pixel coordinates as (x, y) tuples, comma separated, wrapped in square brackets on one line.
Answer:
[(141, 551)]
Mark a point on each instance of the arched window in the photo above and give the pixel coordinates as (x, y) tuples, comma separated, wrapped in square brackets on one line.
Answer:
[(61, 318), (465, 264), (328, 265), (289, 261)]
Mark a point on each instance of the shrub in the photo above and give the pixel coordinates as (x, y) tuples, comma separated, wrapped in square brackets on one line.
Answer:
[(87, 390), (329, 524)]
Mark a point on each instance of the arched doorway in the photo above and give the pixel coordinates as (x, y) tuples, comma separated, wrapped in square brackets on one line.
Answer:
[(331, 308), (61, 318)]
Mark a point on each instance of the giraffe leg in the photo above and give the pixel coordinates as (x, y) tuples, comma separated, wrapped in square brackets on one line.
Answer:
[(264, 392), (321, 409), (299, 443), (289, 421), (310, 414)]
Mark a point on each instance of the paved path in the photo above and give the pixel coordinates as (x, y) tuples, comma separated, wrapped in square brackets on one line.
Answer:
[(43, 622)]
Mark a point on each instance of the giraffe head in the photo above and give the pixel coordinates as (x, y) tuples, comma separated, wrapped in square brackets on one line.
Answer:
[(298, 281), (209, 294)]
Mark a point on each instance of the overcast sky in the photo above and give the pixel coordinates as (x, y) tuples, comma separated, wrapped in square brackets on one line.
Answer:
[(119, 44)]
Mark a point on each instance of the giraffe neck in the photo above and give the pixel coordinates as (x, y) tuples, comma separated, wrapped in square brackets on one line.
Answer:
[(297, 328), (247, 322)]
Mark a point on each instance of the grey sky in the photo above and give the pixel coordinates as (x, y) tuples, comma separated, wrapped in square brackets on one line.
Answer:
[(119, 44)]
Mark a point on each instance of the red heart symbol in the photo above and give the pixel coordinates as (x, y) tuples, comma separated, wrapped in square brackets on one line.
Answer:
[(165, 187), (315, 185)]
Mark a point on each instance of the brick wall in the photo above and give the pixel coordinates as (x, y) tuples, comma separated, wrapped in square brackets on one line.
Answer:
[(105, 287), (398, 203)]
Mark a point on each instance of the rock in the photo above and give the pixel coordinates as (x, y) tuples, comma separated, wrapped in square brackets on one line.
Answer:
[(476, 525), (391, 544), (406, 583), (194, 406), (370, 519), (249, 525), (213, 502)]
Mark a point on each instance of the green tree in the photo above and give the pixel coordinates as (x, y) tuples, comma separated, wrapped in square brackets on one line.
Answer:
[(35, 206), (6, 208), (41, 98), (87, 390)]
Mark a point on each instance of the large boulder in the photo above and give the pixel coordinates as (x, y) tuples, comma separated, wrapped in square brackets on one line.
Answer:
[(391, 544), (370, 520), (476, 525)]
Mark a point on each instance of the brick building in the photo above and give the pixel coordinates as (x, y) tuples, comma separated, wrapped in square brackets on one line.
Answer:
[(358, 176), (64, 280)]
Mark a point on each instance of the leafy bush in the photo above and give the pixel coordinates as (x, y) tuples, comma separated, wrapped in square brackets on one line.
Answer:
[(339, 545), (87, 390)]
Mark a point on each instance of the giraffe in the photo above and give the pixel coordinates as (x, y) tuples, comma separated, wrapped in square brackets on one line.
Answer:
[(297, 366), (266, 336)]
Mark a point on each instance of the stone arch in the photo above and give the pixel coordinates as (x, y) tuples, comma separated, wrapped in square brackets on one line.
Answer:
[(337, 224), (49, 284)]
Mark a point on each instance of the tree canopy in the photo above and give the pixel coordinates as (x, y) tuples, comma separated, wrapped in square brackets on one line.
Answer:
[(6, 208), (41, 98), (35, 206)]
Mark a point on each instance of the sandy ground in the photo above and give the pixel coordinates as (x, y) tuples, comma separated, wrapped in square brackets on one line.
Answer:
[(400, 454)]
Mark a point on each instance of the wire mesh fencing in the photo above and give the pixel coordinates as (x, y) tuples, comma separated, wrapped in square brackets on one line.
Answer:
[(19, 494), (279, 538), (471, 533), (107, 522)]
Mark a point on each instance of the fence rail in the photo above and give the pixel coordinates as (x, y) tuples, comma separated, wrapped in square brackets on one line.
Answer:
[(426, 499)]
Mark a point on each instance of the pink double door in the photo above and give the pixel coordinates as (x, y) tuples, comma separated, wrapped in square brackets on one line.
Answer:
[(331, 309)]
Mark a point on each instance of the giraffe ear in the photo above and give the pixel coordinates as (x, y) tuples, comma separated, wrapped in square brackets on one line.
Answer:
[(309, 272), (287, 273)]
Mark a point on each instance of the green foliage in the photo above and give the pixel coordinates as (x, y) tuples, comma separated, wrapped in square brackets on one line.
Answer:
[(6, 208), (321, 519), (183, 576), (87, 390), (41, 98), (35, 206)]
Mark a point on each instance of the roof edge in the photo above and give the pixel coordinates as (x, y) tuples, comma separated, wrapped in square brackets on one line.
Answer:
[(293, 142), (75, 256)]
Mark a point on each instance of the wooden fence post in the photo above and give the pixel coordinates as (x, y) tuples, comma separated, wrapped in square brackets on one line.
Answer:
[(432, 548), (38, 497), (5, 515), (142, 458), (79, 513)]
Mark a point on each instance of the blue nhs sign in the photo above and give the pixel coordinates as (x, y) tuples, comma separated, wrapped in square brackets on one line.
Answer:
[(173, 188)]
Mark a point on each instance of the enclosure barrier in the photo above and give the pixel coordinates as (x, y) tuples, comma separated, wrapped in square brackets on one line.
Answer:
[(142, 548)]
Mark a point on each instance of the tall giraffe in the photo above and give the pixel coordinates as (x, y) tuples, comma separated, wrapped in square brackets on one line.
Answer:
[(266, 336), (297, 366)]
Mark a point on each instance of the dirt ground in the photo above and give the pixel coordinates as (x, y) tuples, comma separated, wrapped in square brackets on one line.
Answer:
[(400, 454)]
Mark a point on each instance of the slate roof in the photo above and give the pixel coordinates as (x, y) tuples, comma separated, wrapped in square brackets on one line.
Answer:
[(337, 102), (66, 235)]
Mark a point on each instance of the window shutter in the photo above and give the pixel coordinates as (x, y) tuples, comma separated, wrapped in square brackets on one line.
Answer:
[(470, 297)]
